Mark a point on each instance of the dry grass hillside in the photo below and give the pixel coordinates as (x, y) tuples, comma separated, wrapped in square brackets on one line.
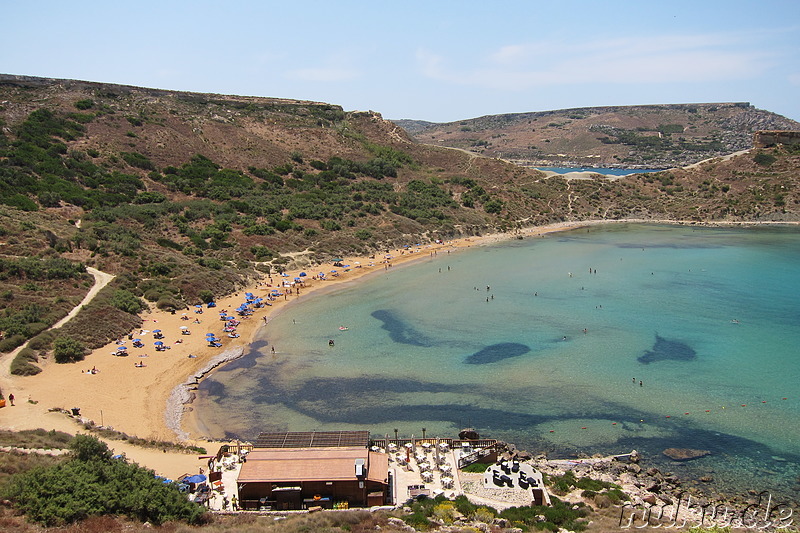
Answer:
[(643, 136), (186, 196)]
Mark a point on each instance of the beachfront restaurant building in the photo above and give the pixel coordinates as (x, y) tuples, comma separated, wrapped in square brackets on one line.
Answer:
[(302, 470)]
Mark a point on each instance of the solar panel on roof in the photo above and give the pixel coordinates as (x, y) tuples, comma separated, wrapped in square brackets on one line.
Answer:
[(312, 439)]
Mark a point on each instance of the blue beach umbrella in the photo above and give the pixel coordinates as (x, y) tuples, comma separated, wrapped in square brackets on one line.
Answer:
[(197, 478), (122, 348), (303, 274), (137, 340), (156, 331), (158, 343)]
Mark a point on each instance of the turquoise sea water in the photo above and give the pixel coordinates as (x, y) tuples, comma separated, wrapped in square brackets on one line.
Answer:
[(708, 319)]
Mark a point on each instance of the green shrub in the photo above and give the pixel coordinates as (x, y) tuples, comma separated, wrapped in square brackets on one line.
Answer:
[(22, 365), (764, 160), (12, 342), (67, 350), (418, 521), (127, 301), (138, 160), (43, 341), (206, 296), (152, 295), (84, 104), (91, 483), (166, 303)]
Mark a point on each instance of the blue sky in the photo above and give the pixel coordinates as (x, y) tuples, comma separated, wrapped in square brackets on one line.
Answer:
[(432, 60)]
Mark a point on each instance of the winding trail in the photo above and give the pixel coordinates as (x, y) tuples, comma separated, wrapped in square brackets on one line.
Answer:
[(101, 279)]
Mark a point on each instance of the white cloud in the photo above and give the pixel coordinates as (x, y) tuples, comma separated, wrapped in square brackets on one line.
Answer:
[(646, 59)]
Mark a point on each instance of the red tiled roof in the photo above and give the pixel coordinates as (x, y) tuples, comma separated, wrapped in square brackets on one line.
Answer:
[(281, 465)]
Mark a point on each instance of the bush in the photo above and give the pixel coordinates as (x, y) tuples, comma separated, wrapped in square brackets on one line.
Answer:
[(67, 350), (138, 160), (127, 301), (91, 483), (43, 341), (9, 344), (165, 303), (206, 296), (22, 363), (764, 160), (445, 511)]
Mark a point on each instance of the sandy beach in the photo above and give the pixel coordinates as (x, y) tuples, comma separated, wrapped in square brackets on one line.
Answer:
[(150, 401)]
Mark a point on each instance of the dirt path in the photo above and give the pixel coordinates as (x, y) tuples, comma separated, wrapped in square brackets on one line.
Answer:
[(101, 279)]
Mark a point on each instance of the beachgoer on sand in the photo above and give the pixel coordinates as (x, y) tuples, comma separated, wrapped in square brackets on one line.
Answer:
[(11, 399)]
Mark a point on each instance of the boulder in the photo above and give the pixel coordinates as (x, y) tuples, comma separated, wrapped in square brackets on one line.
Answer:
[(684, 454), (468, 434)]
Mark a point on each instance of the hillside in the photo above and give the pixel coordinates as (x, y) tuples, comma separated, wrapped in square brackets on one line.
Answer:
[(185, 196), (644, 136)]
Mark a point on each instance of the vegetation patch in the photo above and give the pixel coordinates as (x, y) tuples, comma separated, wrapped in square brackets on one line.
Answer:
[(92, 483)]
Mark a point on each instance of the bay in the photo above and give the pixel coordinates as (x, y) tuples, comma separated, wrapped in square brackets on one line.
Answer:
[(493, 338)]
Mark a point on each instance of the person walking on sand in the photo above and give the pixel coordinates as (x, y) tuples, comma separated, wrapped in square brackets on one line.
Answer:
[(11, 399)]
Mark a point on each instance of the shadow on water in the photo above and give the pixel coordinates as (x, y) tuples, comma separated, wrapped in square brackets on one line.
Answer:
[(249, 360), (400, 331), (346, 402), (497, 352), (666, 350)]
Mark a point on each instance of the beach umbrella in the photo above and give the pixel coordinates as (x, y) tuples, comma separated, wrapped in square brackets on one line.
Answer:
[(303, 274), (198, 305), (197, 478), (184, 327), (122, 348), (210, 334), (158, 343), (332, 271), (156, 331), (336, 260), (137, 340)]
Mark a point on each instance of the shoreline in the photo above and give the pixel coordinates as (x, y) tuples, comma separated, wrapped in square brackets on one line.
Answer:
[(152, 402)]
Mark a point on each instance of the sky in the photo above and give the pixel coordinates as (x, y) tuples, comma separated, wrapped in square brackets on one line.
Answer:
[(434, 60)]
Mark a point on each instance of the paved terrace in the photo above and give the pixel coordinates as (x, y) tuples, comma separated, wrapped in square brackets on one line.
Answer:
[(418, 466)]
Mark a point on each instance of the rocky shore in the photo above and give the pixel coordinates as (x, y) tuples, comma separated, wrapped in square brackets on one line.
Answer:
[(648, 488)]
